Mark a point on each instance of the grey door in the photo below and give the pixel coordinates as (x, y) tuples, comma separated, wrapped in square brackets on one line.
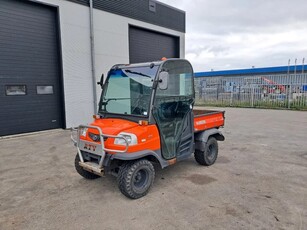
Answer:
[(30, 89), (172, 111), (147, 45)]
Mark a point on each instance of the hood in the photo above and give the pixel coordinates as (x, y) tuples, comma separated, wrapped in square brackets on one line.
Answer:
[(113, 126)]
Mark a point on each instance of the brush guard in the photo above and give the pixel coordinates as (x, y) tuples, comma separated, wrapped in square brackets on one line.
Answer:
[(92, 147)]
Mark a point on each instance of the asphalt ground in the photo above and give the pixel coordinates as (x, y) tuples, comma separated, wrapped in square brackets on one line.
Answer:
[(258, 182)]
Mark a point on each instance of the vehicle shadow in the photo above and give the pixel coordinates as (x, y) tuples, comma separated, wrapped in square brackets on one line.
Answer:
[(188, 170)]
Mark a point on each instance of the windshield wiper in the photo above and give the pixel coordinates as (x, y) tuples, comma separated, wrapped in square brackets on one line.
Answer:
[(115, 99), (137, 73)]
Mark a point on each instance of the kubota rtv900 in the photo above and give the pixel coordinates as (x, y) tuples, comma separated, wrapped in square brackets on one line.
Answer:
[(146, 117)]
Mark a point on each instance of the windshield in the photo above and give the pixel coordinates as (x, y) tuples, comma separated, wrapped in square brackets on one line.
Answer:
[(128, 90)]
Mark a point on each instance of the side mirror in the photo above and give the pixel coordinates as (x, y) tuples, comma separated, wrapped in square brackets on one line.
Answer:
[(163, 80), (101, 81)]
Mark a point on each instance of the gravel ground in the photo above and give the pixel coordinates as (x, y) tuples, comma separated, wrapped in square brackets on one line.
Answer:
[(258, 182)]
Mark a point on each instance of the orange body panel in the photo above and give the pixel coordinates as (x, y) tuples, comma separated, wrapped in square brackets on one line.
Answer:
[(208, 121), (148, 135)]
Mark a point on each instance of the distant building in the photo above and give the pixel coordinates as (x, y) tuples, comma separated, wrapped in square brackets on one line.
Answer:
[(254, 71), (280, 86)]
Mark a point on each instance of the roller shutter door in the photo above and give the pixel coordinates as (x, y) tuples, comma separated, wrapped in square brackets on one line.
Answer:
[(30, 89), (146, 45)]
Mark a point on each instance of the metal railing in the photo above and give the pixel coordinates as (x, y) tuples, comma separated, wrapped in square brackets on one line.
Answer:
[(287, 91)]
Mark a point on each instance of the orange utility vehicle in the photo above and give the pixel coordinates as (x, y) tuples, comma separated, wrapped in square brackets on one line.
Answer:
[(146, 117)]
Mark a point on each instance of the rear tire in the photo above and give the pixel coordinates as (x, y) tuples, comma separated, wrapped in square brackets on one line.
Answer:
[(86, 174), (209, 156), (135, 178)]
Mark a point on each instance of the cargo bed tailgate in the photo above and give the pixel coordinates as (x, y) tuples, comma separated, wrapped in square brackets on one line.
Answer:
[(208, 119)]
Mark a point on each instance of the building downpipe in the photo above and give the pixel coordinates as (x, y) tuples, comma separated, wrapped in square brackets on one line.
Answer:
[(93, 55)]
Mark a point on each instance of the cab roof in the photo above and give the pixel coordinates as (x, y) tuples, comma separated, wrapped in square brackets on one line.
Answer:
[(144, 63)]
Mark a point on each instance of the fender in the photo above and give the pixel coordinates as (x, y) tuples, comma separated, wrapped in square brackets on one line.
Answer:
[(141, 154), (202, 138)]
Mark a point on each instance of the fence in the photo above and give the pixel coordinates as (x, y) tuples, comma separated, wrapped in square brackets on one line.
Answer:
[(267, 91)]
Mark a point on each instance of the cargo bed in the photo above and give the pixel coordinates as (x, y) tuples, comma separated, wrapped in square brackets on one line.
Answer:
[(208, 119)]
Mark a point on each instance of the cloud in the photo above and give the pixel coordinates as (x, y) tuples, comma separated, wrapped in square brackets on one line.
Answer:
[(228, 34)]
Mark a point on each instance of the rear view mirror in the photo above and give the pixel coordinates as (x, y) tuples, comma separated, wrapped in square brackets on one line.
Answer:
[(101, 81), (163, 80)]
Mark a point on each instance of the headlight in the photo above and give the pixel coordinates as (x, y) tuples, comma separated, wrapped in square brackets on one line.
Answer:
[(83, 132), (94, 137), (130, 137)]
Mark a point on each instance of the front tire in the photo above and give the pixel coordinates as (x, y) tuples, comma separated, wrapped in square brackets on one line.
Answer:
[(135, 178), (209, 156), (86, 174)]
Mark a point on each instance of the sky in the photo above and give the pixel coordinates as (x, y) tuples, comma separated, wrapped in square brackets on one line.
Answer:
[(236, 34)]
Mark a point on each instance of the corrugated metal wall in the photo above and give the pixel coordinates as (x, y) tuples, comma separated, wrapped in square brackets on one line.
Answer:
[(164, 15)]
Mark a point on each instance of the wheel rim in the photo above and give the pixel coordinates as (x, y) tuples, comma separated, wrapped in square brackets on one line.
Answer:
[(140, 179), (211, 153)]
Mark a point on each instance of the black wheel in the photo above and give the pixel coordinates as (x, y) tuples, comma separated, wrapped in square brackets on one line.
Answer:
[(207, 157), (82, 172), (135, 178)]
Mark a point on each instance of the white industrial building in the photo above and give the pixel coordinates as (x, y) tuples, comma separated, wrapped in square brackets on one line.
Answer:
[(47, 70)]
